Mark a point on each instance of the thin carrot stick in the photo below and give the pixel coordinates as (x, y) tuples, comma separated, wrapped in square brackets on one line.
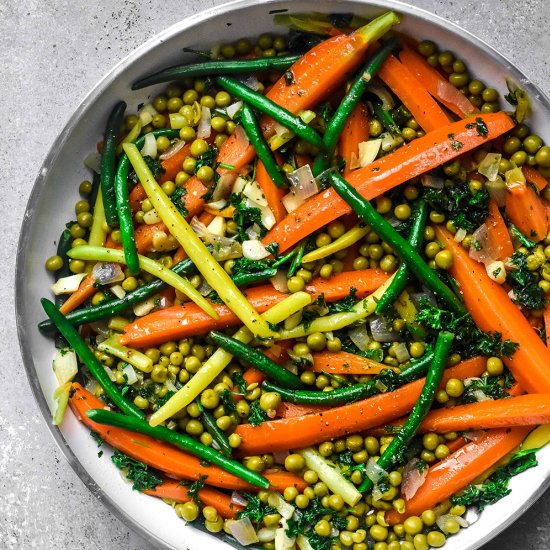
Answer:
[(301, 431), (526, 212), (273, 194), (341, 362), (85, 290), (290, 410), (493, 310), (412, 93), (498, 233), (532, 175), (162, 456), (356, 130)]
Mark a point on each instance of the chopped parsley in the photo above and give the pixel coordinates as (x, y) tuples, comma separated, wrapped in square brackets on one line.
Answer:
[(480, 126), (194, 487), (256, 415), (154, 165), (245, 265), (489, 385), (239, 381), (177, 200), (255, 510), (226, 397), (456, 145), (523, 240), (214, 297), (245, 216), (527, 293), (346, 304), (496, 487), (289, 78), (136, 471)]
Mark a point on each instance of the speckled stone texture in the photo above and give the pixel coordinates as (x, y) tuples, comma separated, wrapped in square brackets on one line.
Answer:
[(54, 52)]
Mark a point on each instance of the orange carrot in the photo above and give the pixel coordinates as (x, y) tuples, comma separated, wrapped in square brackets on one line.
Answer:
[(273, 194), (493, 310), (411, 160), (423, 107), (206, 217), (144, 235), (301, 431), (341, 362), (526, 211), (547, 323), (174, 490), (290, 410), (498, 233), (189, 320), (460, 468), (302, 160), (523, 410), (352, 254), (80, 295), (136, 197), (162, 456), (532, 175), (179, 255), (356, 130), (436, 84)]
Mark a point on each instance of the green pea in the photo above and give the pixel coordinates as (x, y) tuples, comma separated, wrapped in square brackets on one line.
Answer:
[(325, 272), (316, 341), (85, 187), (408, 134), (454, 387), (269, 401), (174, 104), (228, 51), (379, 533), (476, 87), (445, 59), (388, 263), (542, 157), (198, 147), (375, 127), (77, 266), (532, 144), (519, 158), (426, 48), (458, 80), (489, 95), (444, 259), (53, 263), (205, 174), (435, 539), (187, 133), (296, 284)]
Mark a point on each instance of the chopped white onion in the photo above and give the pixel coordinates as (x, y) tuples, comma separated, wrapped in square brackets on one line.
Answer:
[(172, 150), (254, 250), (223, 186), (401, 352), (280, 282), (354, 161), (375, 472), (145, 307), (414, 476), (489, 166), (360, 337), (233, 109), (303, 543), (146, 114), (149, 146), (243, 531), (368, 151), (106, 273), (110, 373), (267, 534), (241, 138), (460, 235), (448, 93), (268, 218), (205, 289), (131, 376), (204, 129), (496, 271), (442, 522), (240, 184), (118, 291), (151, 217), (291, 202), (382, 93), (418, 297), (302, 182), (93, 162), (217, 226), (483, 248), (275, 500), (224, 248), (238, 499), (497, 191), (92, 386), (473, 435), (65, 365), (253, 232), (254, 192), (380, 332), (390, 141), (251, 81), (432, 181), (170, 385), (198, 227), (67, 285)]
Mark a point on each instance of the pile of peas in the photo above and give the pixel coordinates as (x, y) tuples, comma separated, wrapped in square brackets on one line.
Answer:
[(175, 362)]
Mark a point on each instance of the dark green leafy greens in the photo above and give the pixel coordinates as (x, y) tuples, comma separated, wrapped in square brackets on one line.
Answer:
[(489, 385), (194, 487), (245, 216), (257, 415), (136, 471), (527, 293), (255, 509), (154, 165), (177, 200)]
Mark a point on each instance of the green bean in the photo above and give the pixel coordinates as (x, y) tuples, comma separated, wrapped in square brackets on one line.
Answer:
[(110, 308), (356, 90), (211, 68), (89, 359), (179, 440), (108, 157), (255, 358), (278, 113), (209, 422), (254, 133), (402, 248), (402, 276), (63, 246), (241, 279), (123, 205), (353, 393), (385, 118), (297, 260), (393, 452)]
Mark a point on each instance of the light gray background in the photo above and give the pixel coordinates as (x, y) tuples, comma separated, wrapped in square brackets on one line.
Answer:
[(53, 52)]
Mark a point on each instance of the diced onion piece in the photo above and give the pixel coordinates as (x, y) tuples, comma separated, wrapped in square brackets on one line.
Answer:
[(375, 472), (254, 192), (110, 373), (239, 185), (149, 146), (172, 150), (368, 151), (151, 217), (251, 81), (431, 181), (267, 534), (268, 218), (217, 205), (303, 543), (280, 281), (65, 365), (238, 499), (92, 386), (198, 227), (291, 202), (118, 291), (380, 332), (354, 163), (253, 232), (514, 177), (442, 522), (67, 285), (473, 435), (282, 540), (401, 352), (242, 139), (360, 337), (233, 109), (496, 271), (223, 186), (93, 162), (414, 476), (243, 531), (106, 273), (489, 166), (131, 376), (224, 248), (483, 249), (61, 398), (302, 182), (460, 235), (382, 93), (254, 250), (204, 129), (170, 385), (146, 114), (205, 289), (497, 191), (145, 307), (331, 476), (448, 93), (390, 142), (275, 500), (217, 226)]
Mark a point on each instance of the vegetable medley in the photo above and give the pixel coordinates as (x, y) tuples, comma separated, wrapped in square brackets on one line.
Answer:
[(304, 299)]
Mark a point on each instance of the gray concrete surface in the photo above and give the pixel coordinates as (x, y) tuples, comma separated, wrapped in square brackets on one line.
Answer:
[(54, 51)]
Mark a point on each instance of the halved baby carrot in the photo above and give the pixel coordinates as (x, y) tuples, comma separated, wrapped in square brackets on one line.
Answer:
[(460, 468), (532, 175), (162, 456), (411, 91), (492, 310), (85, 290), (356, 130), (290, 410), (498, 233), (174, 490), (273, 194), (302, 431), (526, 211), (341, 362), (417, 157), (436, 85)]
